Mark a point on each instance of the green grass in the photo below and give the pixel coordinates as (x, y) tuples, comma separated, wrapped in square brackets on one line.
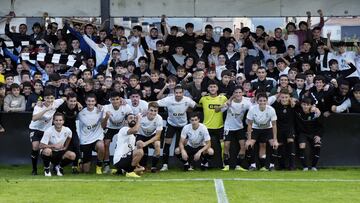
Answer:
[(16, 185)]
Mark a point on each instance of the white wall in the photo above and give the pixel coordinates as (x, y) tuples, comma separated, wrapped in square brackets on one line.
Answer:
[(182, 8), (233, 8), (15, 22), (36, 8), (335, 31)]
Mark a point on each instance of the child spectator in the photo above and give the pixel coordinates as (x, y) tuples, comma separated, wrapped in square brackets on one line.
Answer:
[(14, 102)]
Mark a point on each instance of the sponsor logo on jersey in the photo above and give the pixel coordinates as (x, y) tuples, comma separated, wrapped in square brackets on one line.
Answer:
[(213, 106)]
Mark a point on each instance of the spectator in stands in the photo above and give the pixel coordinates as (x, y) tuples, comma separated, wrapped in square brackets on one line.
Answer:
[(2, 97), (351, 104), (17, 38), (14, 102)]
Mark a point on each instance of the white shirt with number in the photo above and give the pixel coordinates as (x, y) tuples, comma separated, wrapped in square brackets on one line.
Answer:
[(195, 138), (52, 136), (125, 144), (116, 119), (177, 109), (149, 127), (90, 129), (46, 120), (261, 119), (141, 108), (235, 114)]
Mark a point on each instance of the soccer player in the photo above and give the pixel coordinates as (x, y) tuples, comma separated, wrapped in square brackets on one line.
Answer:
[(236, 108), (177, 105), (151, 127), (285, 128), (194, 143), (41, 120), (309, 129), (70, 110), (113, 120), (91, 134), (54, 146), (126, 156), (136, 103), (262, 128), (213, 118)]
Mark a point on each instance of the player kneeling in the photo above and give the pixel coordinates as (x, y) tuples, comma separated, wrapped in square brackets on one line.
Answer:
[(194, 143), (54, 146), (126, 156)]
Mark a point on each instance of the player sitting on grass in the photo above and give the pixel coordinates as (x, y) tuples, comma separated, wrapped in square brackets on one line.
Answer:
[(54, 146), (194, 143), (126, 157)]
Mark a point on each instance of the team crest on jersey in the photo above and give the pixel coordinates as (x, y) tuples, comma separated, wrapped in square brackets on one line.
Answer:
[(284, 111)]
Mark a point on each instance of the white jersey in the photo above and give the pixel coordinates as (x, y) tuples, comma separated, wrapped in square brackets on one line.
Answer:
[(141, 108), (124, 144), (140, 51), (126, 53), (116, 119), (90, 129), (151, 42), (235, 114), (195, 138), (52, 136), (261, 119), (177, 109), (46, 120), (348, 56), (149, 127)]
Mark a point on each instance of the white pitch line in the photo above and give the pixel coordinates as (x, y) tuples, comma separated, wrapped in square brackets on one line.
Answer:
[(220, 191), (121, 179)]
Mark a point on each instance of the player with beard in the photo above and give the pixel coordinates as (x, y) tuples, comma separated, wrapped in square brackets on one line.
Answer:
[(127, 156), (177, 105)]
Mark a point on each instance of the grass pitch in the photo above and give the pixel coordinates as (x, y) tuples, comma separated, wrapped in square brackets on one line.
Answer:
[(326, 185)]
